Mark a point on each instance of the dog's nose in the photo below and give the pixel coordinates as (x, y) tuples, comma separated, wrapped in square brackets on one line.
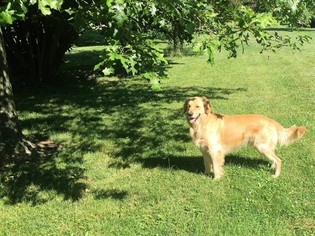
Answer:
[(190, 113)]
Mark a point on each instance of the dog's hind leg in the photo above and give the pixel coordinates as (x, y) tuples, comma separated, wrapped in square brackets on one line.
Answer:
[(271, 155), (276, 162)]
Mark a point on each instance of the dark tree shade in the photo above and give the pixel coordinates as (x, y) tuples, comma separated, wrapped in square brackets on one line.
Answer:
[(35, 47)]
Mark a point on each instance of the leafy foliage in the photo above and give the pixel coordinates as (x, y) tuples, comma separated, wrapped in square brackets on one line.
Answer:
[(130, 27), (213, 26), (129, 30), (36, 45), (291, 12), (12, 10), (233, 31)]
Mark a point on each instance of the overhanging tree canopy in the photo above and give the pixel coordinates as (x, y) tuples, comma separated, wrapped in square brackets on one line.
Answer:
[(130, 27)]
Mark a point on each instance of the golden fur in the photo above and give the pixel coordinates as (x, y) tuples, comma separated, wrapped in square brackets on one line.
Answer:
[(217, 135)]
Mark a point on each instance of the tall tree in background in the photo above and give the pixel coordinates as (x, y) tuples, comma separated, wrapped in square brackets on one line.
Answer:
[(294, 13)]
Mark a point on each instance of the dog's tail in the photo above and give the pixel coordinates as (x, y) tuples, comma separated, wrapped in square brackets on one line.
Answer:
[(287, 136)]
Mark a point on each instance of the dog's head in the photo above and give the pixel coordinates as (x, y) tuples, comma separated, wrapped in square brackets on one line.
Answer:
[(195, 107)]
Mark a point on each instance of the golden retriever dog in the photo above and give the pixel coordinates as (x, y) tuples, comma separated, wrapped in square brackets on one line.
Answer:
[(217, 135)]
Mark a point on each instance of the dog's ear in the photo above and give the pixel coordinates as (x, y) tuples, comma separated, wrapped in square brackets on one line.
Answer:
[(206, 104), (186, 104)]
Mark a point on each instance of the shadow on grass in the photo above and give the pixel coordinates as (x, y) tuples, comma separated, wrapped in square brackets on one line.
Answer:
[(40, 178), (143, 126), (194, 164), (288, 29), (247, 162), (114, 194)]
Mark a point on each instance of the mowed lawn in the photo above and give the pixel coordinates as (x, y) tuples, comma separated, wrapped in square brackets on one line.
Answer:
[(126, 163)]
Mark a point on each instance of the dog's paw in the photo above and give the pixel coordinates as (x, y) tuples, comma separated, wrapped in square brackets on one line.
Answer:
[(217, 177), (275, 176)]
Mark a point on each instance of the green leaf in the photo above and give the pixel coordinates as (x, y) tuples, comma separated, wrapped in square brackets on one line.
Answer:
[(154, 80), (148, 75), (132, 64), (55, 4), (266, 19), (6, 17), (210, 53), (45, 10), (70, 11), (119, 14), (109, 3), (108, 71), (153, 9), (99, 65), (45, 5), (190, 28), (155, 84), (23, 11)]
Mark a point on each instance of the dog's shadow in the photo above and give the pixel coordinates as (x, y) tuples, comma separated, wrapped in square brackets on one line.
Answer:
[(247, 162), (190, 164), (194, 164)]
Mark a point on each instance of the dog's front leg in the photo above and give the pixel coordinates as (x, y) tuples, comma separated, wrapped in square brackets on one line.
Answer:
[(207, 161), (218, 162)]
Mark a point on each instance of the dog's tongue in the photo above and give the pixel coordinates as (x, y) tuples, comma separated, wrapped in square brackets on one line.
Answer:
[(192, 120)]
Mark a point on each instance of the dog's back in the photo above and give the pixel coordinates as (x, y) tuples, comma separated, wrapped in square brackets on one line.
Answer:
[(242, 130)]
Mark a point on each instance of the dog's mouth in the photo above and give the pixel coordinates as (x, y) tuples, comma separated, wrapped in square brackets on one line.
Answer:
[(192, 119)]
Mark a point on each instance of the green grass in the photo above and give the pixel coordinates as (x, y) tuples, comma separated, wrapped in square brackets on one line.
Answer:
[(128, 165)]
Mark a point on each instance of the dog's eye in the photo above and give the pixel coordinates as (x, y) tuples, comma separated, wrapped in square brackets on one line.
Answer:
[(197, 106)]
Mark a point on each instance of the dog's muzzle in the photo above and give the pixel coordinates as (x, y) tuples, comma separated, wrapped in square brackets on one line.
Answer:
[(192, 119)]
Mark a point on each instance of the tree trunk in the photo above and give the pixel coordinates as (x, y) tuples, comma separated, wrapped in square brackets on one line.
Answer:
[(12, 144)]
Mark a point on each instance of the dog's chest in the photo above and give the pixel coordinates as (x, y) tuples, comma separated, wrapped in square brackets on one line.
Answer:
[(203, 138)]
